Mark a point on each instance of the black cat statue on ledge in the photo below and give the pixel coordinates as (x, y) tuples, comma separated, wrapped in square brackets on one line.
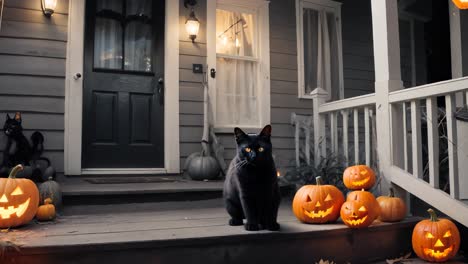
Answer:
[(18, 150)]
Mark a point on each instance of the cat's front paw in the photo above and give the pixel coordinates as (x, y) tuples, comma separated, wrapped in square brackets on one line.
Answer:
[(235, 222), (251, 227), (273, 226)]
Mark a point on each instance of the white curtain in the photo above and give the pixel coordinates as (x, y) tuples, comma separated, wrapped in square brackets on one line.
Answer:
[(109, 45), (321, 64), (138, 37), (108, 37), (236, 79)]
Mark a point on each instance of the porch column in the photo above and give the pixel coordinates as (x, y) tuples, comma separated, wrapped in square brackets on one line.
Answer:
[(387, 79)]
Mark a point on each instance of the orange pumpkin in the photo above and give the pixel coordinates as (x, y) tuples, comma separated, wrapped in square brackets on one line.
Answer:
[(317, 204), (359, 177), (46, 212), (357, 214), (462, 4), (19, 199), (367, 197), (392, 209), (435, 240)]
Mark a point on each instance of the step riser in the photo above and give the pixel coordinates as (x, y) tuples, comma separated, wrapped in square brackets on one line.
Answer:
[(341, 246)]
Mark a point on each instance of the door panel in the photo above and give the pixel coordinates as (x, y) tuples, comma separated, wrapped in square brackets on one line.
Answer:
[(123, 110)]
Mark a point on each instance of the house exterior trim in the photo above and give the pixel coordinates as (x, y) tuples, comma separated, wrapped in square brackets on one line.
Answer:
[(74, 91)]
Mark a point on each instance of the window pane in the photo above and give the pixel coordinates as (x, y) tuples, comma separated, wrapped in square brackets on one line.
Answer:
[(236, 93), (310, 49), (321, 52), (235, 33), (138, 36), (108, 35)]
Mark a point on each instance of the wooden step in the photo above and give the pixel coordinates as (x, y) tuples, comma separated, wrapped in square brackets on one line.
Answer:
[(115, 190), (197, 232)]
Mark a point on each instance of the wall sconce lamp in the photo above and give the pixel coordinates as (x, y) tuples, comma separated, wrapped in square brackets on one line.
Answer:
[(192, 25), (48, 7)]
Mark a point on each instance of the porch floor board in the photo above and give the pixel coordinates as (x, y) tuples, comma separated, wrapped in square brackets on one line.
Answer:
[(93, 228)]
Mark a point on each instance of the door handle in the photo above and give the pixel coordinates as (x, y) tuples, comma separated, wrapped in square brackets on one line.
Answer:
[(161, 90)]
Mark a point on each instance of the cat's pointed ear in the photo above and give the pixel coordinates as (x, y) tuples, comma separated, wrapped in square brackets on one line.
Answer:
[(266, 131), (8, 116), (239, 134), (18, 116)]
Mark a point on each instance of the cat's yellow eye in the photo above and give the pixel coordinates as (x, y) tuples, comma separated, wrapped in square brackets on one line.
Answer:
[(260, 149), (247, 150)]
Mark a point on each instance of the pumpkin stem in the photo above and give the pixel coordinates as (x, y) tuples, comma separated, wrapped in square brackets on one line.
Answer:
[(15, 171), (318, 180), (48, 201), (392, 192), (433, 215)]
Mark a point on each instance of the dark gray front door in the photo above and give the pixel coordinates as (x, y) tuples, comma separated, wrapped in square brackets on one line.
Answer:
[(123, 96)]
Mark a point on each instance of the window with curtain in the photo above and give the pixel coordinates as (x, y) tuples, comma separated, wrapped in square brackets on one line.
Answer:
[(123, 38), (237, 63), (320, 49)]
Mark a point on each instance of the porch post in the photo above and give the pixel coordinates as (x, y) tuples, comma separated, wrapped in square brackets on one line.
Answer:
[(456, 48), (319, 96), (387, 79)]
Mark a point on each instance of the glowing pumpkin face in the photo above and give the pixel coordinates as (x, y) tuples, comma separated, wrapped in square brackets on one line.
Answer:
[(462, 4), (359, 177), (19, 199), (357, 214), (436, 240), (316, 204)]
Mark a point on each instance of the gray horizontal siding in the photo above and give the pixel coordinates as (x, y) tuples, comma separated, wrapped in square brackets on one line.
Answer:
[(33, 52), (190, 88)]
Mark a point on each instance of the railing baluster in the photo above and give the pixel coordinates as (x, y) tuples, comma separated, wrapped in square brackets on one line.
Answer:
[(356, 135), (367, 135), (334, 132), (433, 141), (345, 115), (452, 143), (416, 138), (405, 138)]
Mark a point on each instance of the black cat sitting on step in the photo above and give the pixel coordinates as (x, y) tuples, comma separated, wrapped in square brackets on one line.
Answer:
[(251, 189), (18, 150)]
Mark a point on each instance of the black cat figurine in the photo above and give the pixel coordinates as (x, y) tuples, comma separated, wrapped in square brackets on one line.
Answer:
[(18, 150), (251, 188)]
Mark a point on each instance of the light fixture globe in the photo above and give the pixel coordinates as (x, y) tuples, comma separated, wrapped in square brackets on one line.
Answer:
[(192, 26), (48, 7), (462, 4)]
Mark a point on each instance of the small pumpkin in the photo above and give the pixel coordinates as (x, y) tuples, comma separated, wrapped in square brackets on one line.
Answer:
[(19, 199), (435, 239), (359, 177), (51, 189), (46, 212), (392, 209), (317, 204), (357, 214), (203, 167)]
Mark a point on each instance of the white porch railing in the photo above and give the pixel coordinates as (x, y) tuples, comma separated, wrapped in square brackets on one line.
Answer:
[(361, 109), (409, 174)]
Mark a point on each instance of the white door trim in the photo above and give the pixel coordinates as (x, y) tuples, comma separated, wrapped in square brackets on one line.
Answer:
[(74, 93)]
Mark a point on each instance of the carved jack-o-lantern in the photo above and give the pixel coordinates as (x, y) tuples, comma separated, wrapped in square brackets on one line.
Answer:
[(19, 199), (357, 214), (462, 4), (360, 209), (359, 177), (436, 240), (316, 204)]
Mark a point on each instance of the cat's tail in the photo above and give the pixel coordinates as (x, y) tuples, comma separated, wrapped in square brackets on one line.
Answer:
[(37, 145)]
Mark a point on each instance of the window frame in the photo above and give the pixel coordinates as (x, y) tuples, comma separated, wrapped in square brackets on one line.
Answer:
[(260, 10), (330, 6)]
